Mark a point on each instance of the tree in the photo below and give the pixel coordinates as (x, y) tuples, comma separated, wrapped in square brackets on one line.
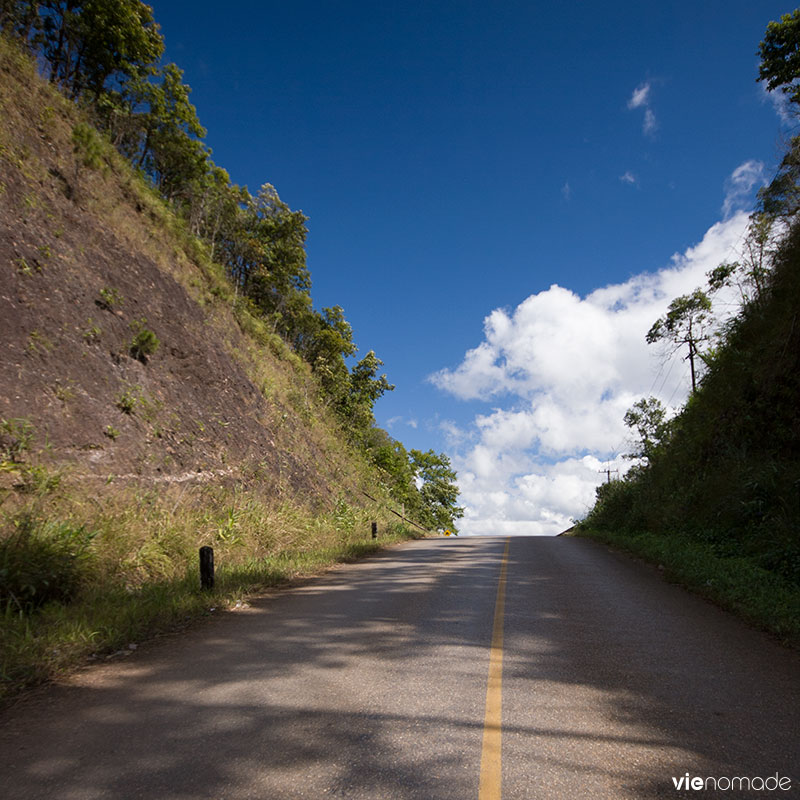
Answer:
[(390, 456), (749, 275), (214, 204), (325, 341), (780, 56), (266, 259), (164, 139), (18, 17), (217, 214), (88, 42), (780, 68), (648, 418), (781, 199), (363, 390), (685, 323), (365, 387), (439, 491), (328, 338)]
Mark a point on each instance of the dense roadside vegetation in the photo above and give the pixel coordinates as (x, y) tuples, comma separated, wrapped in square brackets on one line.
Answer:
[(88, 567), (715, 494)]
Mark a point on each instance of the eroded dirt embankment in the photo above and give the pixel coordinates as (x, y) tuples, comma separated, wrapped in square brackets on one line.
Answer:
[(86, 261)]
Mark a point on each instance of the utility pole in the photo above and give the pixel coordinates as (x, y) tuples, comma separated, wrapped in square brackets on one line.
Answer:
[(607, 472), (690, 357)]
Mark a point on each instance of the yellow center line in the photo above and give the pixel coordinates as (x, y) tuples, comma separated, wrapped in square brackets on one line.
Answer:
[(491, 764)]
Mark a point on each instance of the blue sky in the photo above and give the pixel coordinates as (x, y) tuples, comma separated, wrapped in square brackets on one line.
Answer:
[(458, 159)]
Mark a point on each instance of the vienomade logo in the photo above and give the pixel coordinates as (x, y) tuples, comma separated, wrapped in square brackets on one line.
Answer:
[(772, 783)]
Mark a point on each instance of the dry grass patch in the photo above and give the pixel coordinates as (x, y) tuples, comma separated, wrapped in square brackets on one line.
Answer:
[(104, 572)]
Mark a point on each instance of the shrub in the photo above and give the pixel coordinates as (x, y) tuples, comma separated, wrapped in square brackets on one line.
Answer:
[(39, 480), (92, 333), (87, 146), (42, 562), (109, 299), (16, 436), (127, 401), (144, 342)]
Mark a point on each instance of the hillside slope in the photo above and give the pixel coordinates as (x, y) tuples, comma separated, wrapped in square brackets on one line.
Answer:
[(718, 502), (88, 259), (145, 410)]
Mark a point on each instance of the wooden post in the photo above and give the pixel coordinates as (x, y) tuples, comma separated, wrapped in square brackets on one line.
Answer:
[(207, 568), (374, 530)]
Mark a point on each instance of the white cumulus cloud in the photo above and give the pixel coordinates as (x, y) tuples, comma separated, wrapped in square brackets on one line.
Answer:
[(560, 370)]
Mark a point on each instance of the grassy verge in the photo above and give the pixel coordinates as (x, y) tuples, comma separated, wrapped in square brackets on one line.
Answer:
[(78, 583), (763, 598)]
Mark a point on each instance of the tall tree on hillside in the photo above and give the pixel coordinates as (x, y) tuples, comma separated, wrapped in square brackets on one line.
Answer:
[(265, 255), (391, 457), (214, 204), (365, 387), (685, 324), (325, 340), (88, 42), (780, 56), (18, 17), (648, 418), (164, 136), (266, 252), (8, 15), (749, 275), (439, 491), (331, 336), (780, 68), (781, 199)]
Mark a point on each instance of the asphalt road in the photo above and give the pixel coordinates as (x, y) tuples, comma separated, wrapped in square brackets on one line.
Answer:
[(373, 682)]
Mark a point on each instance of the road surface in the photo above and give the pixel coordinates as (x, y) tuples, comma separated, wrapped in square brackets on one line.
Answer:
[(444, 668)]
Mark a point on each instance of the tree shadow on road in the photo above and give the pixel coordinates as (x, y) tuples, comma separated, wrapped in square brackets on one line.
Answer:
[(370, 682), (632, 681)]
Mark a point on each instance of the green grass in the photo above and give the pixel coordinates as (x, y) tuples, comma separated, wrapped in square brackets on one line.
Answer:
[(736, 584), (136, 572)]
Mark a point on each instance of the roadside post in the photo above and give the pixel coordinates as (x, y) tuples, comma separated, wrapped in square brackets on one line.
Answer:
[(207, 568)]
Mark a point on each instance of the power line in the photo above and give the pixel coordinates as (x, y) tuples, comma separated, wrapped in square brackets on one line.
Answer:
[(677, 386), (666, 377), (608, 471)]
